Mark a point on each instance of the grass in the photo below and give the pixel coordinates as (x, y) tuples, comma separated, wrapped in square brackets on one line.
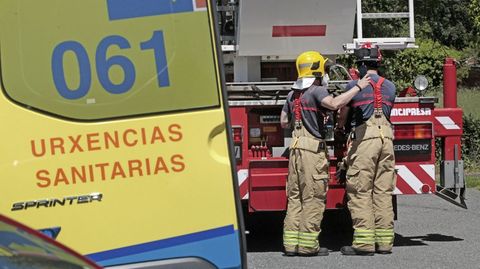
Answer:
[(468, 99), (473, 181)]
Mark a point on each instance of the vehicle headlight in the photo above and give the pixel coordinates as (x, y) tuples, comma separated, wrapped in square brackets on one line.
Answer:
[(421, 84)]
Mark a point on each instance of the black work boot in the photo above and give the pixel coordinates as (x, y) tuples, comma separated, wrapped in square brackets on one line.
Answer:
[(290, 254), (383, 251), (348, 250), (321, 252)]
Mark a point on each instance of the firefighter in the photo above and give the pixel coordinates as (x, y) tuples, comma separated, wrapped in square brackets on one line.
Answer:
[(370, 159), (308, 165)]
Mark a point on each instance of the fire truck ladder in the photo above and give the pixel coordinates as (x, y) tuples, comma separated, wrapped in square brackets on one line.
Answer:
[(269, 93), (391, 43)]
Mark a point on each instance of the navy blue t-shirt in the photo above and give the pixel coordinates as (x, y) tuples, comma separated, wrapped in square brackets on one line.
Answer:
[(312, 111), (362, 103)]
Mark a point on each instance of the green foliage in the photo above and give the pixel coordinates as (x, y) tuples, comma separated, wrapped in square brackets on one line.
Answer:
[(447, 21), (402, 67), (397, 27), (453, 23), (474, 12), (473, 181)]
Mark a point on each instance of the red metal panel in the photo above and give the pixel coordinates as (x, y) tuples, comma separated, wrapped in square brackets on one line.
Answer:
[(412, 176), (448, 122), (404, 187), (336, 197), (299, 30), (412, 112), (267, 185), (201, 3), (238, 117)]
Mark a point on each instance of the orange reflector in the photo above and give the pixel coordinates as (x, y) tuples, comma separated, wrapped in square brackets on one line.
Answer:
[(413, 131), (426, 188)]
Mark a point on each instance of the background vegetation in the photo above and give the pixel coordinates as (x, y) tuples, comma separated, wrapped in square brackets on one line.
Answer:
[(443, 28)]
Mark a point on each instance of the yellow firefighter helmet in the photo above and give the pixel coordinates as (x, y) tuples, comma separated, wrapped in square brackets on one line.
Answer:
[(311, 64)]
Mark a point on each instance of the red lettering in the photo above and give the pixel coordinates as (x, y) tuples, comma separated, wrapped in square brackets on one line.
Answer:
[(92, 139), (91, 173), (177, 160), (81, 175), (125, 135), (43, 149), (144, 136), (117, 171), (102, 169), (147, 166), (42, 175), (175, 133), (60, 177), (157, 135), (57, 143), (135, 165), (75, 143), (109, 139), (160, 166)]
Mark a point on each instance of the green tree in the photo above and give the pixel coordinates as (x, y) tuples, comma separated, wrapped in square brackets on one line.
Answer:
[(403, 66), (445, 21), (397, 27), (474, 11), (450, 22)]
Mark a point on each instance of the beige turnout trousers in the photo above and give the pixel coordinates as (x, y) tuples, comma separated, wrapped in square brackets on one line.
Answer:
[(306, 190), (370, 184)]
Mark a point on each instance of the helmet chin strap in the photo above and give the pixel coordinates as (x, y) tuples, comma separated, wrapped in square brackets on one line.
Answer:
[(325, 80)]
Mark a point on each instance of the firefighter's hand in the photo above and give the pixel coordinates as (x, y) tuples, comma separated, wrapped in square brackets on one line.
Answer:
[(341, 174), (364, 82)]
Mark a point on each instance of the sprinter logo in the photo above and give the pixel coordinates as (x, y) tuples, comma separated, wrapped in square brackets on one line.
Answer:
[(53, 202)]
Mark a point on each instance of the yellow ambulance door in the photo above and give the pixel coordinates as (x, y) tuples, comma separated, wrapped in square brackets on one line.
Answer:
[(114, 130)]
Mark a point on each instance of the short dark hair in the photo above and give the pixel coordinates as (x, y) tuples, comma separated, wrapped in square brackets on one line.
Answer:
[(371, 65)]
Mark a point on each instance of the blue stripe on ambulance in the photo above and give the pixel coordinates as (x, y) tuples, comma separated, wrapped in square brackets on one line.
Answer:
[(214, 245), (127, 9)]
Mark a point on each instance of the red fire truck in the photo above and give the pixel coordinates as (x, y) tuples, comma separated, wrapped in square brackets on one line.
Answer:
[(259, 59)]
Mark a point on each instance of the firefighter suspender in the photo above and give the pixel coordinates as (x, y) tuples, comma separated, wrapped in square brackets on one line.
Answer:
[(377, 103), (366, 129), (377, 95), (297, 108)]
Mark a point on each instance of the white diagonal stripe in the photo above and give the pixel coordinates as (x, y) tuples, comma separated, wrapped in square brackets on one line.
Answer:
[(397, 191), (448, 123), (409, 177), (242, 175), (429, 169)]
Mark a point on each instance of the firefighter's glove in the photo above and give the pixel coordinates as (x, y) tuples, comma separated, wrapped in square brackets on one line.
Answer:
[(341, 172), (340, 135)]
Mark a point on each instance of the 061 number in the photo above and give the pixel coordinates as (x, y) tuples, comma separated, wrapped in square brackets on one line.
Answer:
[(103, 65)]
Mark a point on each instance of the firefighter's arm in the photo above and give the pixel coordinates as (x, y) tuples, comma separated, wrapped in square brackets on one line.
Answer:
[(284, 119), (343, 99)]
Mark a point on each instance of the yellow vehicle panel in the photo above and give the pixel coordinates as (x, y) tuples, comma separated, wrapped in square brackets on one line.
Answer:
[(114, 128)]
